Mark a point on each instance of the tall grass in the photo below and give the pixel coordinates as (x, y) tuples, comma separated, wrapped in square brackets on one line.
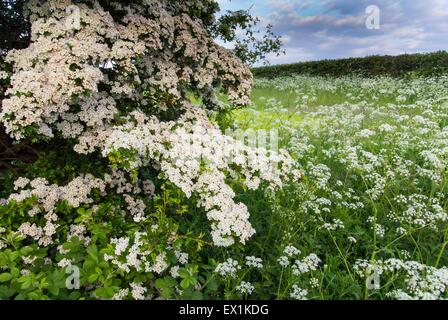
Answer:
[(374, 153)]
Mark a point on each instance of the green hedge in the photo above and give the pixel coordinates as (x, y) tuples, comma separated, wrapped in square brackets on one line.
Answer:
[(429, 64)]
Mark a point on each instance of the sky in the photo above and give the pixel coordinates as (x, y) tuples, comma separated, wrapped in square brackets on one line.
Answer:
[(331, 29)]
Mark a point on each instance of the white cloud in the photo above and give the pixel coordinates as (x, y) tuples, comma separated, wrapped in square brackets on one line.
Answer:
[(318, 29)]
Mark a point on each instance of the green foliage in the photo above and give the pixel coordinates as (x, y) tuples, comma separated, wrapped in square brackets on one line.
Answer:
[(251, 44), (27, 274)]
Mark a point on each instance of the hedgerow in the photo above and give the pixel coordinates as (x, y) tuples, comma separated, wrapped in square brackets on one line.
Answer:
[(407, 65)]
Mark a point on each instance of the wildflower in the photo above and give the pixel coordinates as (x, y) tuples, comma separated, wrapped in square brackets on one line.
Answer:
[(121, 294), (245, 288), (298, 293), (254, 262), (314, 283), (307, 264), (291, 251), (283, 261), (228, 268), (352, 239)]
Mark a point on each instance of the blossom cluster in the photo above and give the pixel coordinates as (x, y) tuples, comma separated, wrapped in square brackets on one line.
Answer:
[(47, 197), (229, 268), (195, 156), (77, 79), (70, 78)]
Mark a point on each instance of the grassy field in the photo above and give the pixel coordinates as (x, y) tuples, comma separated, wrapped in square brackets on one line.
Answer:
[(372, 204)]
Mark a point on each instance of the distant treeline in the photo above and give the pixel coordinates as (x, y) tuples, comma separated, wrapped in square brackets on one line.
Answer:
[(429, 64)]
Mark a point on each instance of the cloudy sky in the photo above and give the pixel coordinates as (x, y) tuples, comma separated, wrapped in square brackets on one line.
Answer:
[(319, 29)]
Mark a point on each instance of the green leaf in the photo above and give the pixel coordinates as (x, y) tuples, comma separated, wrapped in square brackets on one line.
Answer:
[(212, 285), (160, 283), (165, 286), (56, 281), (3, 259), (26, 282), (5, 277), (6, 292), (106, 293), (185, 283), (93, 253), (25, 251), (197, 296), (93, 277), (184, 273)]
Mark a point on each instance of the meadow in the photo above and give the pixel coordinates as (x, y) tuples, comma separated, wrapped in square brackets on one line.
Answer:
[(372, 204)]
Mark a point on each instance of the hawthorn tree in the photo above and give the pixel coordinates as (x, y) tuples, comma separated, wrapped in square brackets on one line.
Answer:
[(106, 86), (251, 44)]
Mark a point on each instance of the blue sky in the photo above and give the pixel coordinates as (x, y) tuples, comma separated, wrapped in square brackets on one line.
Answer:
[(321, 29)]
